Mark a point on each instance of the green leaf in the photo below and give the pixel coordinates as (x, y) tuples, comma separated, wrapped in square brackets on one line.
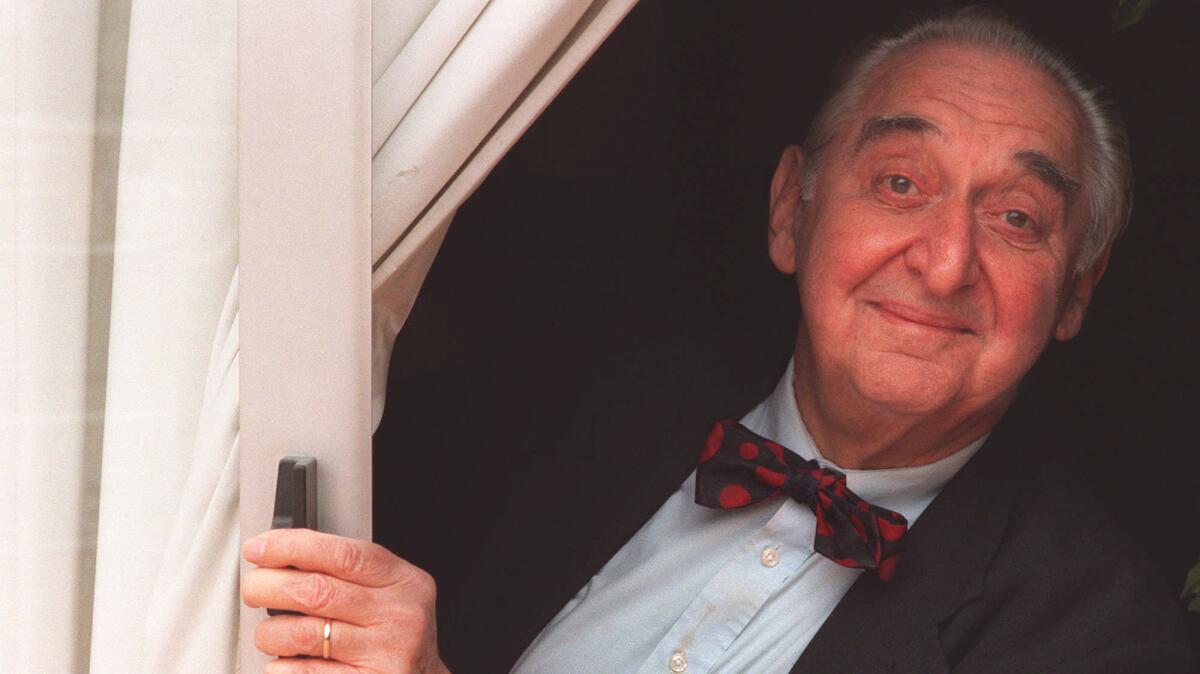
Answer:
[(1129, 12), (1192, 584), (1191, 589)]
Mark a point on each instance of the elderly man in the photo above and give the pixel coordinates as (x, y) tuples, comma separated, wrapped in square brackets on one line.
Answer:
[(952, 211)]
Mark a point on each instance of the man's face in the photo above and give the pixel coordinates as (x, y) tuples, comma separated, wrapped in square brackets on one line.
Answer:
[(934, 258)]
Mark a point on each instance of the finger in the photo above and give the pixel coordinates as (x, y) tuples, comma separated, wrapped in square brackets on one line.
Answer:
[(305, 635), (358, 561), (314, 594), (308, 666)]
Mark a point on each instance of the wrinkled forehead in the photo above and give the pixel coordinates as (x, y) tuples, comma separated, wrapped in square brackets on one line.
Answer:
[(963, 88)]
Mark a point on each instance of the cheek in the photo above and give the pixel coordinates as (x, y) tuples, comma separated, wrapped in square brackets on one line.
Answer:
[(844, 250), (825, 281), (1025, 313)]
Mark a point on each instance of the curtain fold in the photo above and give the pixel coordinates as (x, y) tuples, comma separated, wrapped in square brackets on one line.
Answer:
[(463, 105), (392, 24), (425, 51), (175, 253), (118, 289), (117, 247), (189, 625), (49, 244)]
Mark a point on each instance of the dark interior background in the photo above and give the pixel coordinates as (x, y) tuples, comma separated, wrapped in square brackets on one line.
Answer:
[(637, 203)]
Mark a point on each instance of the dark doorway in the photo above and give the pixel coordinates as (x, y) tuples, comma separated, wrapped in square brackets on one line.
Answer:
[(635, 209)]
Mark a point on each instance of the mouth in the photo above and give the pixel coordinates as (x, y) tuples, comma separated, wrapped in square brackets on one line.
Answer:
[(905, 315)]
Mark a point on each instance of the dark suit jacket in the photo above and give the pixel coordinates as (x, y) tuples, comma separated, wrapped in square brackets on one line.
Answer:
[(1004, 572)]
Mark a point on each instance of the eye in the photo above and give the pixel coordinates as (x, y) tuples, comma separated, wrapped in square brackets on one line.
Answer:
[(1018, 219), (900, 185)]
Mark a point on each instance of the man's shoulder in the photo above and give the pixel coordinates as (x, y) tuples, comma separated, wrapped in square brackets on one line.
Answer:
[(1071, 587), (1062, 543)]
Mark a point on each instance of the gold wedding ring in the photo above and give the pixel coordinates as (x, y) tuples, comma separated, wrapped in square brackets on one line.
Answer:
[(325, 641)]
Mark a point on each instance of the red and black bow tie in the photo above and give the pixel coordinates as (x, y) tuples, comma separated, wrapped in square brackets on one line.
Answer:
[(739, 468)]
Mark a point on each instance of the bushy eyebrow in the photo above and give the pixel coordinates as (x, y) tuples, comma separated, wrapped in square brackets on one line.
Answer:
[(879, 127), (1038, 163), (1046, 170)]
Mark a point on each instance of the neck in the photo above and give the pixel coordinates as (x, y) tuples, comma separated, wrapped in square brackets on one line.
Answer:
[(857, 433)]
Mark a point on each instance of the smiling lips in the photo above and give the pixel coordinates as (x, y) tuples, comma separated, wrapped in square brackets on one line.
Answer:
[(900, 313)]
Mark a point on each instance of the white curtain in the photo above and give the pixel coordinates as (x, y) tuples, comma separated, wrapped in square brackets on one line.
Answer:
[(118, 336), (456, 84), (118, 289)]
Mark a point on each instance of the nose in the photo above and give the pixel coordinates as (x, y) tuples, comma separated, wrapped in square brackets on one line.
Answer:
[(943, 253)]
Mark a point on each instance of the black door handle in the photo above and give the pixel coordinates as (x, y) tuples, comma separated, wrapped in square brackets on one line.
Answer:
[(295, 500)]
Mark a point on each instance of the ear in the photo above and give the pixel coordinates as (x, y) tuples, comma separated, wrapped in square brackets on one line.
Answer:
[(786, 195), (1079, 297)]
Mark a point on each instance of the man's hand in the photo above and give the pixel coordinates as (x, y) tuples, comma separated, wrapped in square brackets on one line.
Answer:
[(381, 607)]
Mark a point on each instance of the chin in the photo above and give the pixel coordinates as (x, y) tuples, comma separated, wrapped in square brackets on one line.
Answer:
[(906, 384)]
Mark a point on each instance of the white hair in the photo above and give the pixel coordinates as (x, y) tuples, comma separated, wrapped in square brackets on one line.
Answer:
[(1107, 181)]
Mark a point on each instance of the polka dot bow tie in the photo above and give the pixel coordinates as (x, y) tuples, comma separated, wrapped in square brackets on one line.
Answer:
[(738, 468)]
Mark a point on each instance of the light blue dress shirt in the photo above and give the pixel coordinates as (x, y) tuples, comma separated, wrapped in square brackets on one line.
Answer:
[(705, 591)]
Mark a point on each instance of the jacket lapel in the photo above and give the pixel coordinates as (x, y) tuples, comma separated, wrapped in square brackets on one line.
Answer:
[(893, 627), (589, 492), (585, 497)]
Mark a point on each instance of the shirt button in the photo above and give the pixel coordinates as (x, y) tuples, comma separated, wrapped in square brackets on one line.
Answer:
[(678, 661), (769, 557)]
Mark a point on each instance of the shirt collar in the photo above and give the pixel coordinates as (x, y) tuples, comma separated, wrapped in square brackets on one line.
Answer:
[(907, 491)]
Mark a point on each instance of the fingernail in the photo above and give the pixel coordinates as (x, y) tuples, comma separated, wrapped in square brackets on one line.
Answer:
[(253, 550)]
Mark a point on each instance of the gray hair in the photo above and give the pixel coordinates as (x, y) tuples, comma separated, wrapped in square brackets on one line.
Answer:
[(1107, 181)]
